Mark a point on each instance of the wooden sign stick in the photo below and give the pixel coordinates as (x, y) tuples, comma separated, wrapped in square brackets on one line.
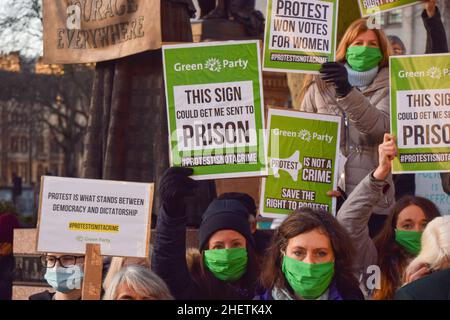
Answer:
[(93, 265)]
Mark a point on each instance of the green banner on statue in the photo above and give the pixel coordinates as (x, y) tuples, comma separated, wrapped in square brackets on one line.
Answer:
[(303, 155), (371, 7), (215, 108), (300, 35), (420, 112)]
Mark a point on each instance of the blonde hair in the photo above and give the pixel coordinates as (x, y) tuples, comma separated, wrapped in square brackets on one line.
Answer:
[(353, 31), (435, 251), (141, 280), (117, 263)]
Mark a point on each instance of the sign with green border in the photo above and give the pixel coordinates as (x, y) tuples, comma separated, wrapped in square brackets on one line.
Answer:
[(300, 35), (371, 7), (215, 109), (303, 152), (420, 112)]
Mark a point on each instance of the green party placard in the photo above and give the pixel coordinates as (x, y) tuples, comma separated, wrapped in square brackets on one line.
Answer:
[(303, 153), (371, 7), (420, 112), (300, 35), (215, 108)]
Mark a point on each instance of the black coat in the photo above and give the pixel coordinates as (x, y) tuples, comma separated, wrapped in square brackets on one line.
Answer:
[(436, 36), (169, 256), (436, 286), (46, 295)]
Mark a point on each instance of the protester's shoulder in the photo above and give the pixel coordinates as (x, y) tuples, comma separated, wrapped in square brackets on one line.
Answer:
[(434, 286), (46, 295), (353, 293)]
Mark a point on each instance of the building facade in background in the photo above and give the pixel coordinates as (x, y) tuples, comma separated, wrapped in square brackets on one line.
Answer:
[(26, 146)]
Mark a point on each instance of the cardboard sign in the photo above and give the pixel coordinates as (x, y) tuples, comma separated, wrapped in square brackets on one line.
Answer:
[(300, 35), (371, 7), (303, 155), (429, 185), (83, 31), (420, 112), (215, 108), (77, 212)]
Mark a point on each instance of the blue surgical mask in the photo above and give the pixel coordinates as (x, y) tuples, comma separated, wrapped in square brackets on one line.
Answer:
[(64, 279)]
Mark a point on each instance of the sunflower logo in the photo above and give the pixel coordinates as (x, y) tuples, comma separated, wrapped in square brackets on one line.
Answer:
[(434, 73), (213, 65), (305, 135)]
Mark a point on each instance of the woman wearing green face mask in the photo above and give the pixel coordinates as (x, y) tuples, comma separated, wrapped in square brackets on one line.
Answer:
[(356, 88), (225, 266), (400, 239), (310, 259)]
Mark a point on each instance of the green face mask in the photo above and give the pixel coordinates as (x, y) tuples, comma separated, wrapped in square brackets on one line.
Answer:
[(227, 264), (361, 58), (410, 240), (308, 280)]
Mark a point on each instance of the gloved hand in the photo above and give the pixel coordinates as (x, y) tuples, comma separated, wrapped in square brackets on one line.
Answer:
[(176, 185), (336, 73)]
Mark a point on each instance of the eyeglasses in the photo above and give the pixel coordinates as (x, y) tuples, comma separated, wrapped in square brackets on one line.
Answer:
[(64, 261)]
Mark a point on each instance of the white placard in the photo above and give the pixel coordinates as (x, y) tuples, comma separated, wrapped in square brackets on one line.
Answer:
[(75, 212)]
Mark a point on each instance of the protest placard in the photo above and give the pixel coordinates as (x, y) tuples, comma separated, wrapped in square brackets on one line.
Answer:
[(82, 31), (300, 35), (215, 108), (77, 212), (420, 112), (303, 155), (371, 7)]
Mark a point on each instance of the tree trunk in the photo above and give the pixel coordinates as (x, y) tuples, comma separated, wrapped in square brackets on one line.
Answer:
[(127, 136)]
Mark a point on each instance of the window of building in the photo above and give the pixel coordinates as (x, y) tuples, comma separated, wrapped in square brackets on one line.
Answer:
[(14, 144), (23, 145)]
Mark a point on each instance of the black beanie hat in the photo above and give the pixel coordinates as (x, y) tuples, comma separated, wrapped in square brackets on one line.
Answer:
[(244, 198), (224, 215)]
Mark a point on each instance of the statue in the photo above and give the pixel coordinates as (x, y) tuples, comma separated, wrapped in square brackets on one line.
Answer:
[(243, 11)]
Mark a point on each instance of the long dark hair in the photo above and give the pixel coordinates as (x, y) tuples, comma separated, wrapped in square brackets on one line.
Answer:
[(305, 220), (214, 289), (392, 258)]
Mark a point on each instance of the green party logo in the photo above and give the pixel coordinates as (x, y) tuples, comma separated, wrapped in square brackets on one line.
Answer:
[(213, 65), (433, 72)]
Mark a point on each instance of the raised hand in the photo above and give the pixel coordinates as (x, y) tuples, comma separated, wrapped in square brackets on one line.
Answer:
[(387, 151)]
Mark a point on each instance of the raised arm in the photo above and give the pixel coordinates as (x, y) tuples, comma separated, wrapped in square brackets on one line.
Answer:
[(436, 36), (355, 213), (169, 255)]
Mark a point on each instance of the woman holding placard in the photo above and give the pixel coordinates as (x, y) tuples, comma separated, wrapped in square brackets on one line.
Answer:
[(383, 261), (310, 259), (356, 87), (226, 267)]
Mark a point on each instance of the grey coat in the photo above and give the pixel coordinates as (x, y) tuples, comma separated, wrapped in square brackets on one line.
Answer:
[(354, 216), (365, 120)]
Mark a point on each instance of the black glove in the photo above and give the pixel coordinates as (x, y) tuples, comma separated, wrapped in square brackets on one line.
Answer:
[(175, 185), (336, 73)]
